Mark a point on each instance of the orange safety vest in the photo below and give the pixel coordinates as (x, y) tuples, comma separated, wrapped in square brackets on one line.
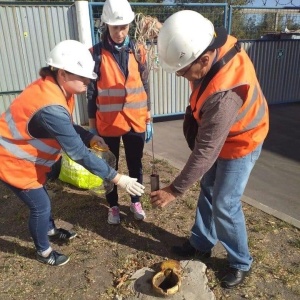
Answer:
[(252, 123), (121, 103), (25, 160)]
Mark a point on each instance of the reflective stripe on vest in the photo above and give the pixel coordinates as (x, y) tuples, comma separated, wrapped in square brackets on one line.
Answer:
[(25, 161), (120, 106), (256, 120), (38, 144), (251, 125), (119, 92), (19, 153), (121, 103)]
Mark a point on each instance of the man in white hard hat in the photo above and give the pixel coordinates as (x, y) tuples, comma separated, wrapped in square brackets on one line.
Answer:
[(36, 127), (230, 115), (119, 102)]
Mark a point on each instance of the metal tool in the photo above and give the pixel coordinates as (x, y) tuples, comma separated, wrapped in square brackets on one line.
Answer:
[(154, 181), (154, 178)]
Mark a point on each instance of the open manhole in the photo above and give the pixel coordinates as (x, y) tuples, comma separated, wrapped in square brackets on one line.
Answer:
[(167, 281)]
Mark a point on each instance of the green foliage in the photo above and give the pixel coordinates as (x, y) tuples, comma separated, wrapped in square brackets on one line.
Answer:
[(245, 23), (229, 2), (252, 24)]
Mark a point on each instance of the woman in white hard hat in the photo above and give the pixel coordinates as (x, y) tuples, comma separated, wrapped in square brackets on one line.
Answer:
[(119, 103), (36, 127), (231, 120)]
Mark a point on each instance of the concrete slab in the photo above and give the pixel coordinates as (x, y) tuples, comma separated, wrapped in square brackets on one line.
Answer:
[(194, 283), (274, 185)]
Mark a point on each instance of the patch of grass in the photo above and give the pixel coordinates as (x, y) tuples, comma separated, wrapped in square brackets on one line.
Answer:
[(39, 283), (295, 243), (165, 181), (145, 200), (191, 204), (195, 187), (296, 290), (103, 257)]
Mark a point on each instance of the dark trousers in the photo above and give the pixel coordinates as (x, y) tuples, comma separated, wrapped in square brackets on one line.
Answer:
[(134, 146)]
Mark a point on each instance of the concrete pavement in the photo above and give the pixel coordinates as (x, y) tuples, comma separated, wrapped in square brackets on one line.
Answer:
[(274, 184)]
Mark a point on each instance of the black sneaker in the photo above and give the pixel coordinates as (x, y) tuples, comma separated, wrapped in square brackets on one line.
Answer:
[(187, 250), (54, 259), (63, 234)]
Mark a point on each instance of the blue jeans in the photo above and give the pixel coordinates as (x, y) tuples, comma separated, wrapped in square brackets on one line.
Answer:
[(219, 214), (40, 220)]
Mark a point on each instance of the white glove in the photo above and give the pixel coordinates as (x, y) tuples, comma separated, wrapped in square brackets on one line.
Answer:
[(131, 185)]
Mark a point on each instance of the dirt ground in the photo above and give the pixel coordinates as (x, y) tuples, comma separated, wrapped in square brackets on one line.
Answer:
[(103, 257)]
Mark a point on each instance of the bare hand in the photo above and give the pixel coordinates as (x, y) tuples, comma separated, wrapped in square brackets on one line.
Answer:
[(98, 141), (162, 197)]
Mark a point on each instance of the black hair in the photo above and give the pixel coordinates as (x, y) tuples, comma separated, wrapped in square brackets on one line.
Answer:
[(104, 34), (48, 71)]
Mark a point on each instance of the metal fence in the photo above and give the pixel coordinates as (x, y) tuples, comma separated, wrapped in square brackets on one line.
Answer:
[(216, 12), (170, 94), (29, 30), (246, 22), (277, 65)]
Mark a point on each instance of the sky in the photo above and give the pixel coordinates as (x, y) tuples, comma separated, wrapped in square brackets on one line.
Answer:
[(276, 3), (272, 3)]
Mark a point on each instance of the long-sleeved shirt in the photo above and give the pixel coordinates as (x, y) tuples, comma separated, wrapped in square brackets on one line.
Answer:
[(54, 122), (217, 116)]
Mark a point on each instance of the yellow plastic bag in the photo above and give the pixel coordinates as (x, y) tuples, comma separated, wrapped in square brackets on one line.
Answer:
[(75, 174)]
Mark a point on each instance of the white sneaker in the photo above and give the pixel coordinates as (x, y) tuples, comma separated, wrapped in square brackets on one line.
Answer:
[(113, 215), (138, 211)]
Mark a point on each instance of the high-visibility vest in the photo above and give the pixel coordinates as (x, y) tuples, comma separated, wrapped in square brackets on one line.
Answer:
[(25, 160), (252, 123), (121, 103)]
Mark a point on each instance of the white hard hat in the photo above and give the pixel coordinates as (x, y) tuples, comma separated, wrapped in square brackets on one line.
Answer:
[(183, 37), (117, 12), (74, 57)]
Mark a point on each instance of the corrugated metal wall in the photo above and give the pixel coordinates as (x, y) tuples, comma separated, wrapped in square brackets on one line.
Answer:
[(277, 65), (27, 33), (169, 93)]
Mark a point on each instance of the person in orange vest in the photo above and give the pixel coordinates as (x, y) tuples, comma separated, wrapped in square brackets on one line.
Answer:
[(36, 127), (119, 103), (225, 125)]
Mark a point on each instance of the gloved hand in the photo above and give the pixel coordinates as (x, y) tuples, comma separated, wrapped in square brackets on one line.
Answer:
[(93, 131), (149, 132), (131, 185)]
